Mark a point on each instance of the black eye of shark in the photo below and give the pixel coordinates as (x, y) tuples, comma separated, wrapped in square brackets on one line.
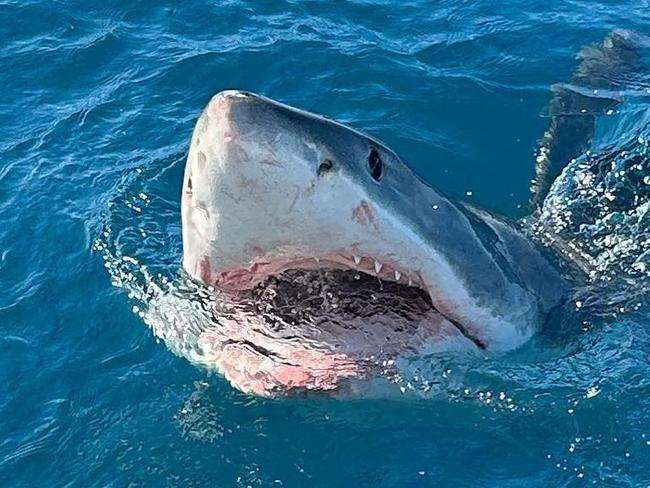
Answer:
[(325, 166), (375, 165)]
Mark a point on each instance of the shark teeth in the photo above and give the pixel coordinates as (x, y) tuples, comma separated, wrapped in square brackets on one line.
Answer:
[(399, 276)]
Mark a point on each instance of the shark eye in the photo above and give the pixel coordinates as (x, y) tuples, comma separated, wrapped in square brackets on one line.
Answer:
[(375, 165), (325, 166)]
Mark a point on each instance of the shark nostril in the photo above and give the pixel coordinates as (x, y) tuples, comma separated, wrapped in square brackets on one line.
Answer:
[(189, 183), (375, 165), (325, 166)]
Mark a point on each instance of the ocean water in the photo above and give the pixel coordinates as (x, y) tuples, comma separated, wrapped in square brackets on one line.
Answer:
[(98, 104)]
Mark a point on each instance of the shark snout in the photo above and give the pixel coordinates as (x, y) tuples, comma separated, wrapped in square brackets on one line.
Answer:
[(214, 143), (221, 104)]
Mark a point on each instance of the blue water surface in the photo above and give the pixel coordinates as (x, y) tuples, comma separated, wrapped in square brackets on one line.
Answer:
[(98, 103)]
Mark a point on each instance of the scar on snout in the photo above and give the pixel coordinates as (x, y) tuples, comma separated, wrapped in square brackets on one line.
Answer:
[(271, 162), (203, 211), (254, 249), (202, 159), (204, 121), (363, 213)]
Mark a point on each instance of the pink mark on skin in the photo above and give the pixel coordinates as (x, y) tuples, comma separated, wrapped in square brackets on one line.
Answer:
[(364, 213), (205, 271), (219, 104), (292, 365), (219, 108)]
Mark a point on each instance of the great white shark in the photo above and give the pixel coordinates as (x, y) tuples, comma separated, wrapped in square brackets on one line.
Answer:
[(270, 189)]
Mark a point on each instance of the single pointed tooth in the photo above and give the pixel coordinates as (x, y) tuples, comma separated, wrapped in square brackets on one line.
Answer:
[(397, 275), (357, 260), (317, 260), (410, 282), (378, 266)]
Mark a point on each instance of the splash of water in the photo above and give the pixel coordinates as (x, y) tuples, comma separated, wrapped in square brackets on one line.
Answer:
[(597, 216)]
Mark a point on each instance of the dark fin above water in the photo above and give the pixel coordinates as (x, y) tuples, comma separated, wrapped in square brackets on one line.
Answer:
[(605, 70)]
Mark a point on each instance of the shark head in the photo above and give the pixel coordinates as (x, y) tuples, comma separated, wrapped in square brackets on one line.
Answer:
[(269, 188)]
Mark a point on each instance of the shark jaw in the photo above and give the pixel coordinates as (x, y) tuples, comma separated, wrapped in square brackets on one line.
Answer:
[(265, 351), (322, 329), (260, 269)]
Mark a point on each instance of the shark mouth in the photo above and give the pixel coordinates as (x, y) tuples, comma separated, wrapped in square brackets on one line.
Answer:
[(289, 325)]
